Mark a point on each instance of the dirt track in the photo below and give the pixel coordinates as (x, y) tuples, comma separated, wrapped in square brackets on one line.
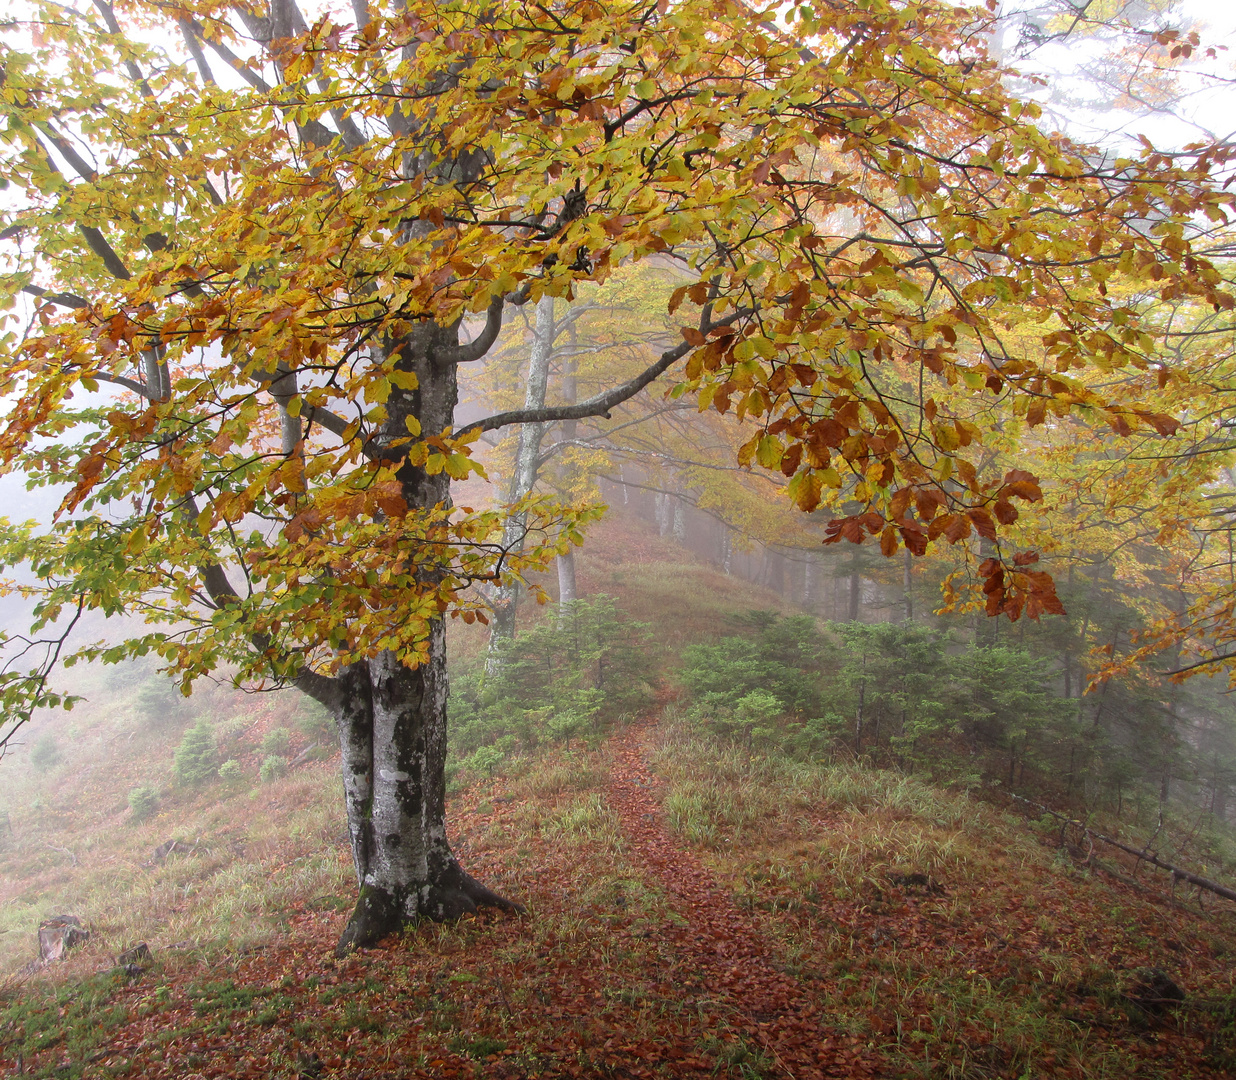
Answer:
[(718, 950)]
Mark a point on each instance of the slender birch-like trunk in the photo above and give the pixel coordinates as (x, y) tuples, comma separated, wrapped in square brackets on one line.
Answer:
[(505, 598)]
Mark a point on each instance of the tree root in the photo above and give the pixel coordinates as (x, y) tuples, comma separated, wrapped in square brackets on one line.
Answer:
[(379, 913)]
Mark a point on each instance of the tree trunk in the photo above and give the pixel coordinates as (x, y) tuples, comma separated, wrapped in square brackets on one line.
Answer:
[(567, 593), (855, 596), (906, 582), (392, 732), (392, 717), (664, 512), (858, 718), (1218, 801), (775, 562), (505, 598)]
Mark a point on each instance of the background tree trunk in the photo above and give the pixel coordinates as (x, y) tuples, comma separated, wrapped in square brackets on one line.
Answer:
[(505, 598), (567, 593), (906, 583)]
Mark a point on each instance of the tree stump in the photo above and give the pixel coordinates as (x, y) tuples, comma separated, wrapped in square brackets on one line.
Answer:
[(58, 935)]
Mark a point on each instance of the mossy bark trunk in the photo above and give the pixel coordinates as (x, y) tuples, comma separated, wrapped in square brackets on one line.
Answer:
[(392, 730), (392, 717)]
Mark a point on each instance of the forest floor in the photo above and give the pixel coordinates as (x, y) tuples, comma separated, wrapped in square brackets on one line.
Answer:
[(691, 912)]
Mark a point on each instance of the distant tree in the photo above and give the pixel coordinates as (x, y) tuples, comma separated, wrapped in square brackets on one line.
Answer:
[(196, 758), (45, 755)]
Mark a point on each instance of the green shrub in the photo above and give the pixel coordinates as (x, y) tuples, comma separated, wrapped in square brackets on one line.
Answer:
[(277, 741), (904, 693), (273, 768), (160, 701), (143, 801), (228, 731), (45, 754), (315, 722), (230, 772), (485, 760), (569, 678), (196, 759)]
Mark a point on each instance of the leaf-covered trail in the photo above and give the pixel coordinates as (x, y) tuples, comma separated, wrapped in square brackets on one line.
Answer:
[(717, 951)]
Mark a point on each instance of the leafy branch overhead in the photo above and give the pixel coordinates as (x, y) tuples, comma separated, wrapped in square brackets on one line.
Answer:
[(874, 255)]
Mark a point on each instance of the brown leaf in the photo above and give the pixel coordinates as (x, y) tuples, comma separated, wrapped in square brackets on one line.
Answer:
[(983, 524), (1006, 513)]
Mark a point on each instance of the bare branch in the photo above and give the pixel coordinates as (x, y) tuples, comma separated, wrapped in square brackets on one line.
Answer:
[(195, 50), (69, 300), (601, 404), (1201, 663), (99, 245), (128, 384), (228, 57), (483, 342)]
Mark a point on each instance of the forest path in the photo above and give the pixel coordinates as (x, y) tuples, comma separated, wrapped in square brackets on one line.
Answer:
[(717, 949)]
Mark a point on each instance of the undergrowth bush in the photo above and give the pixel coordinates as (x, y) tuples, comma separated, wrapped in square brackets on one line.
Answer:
[(45, 755), (196, 758), (273, 768), (904, 694), (568, 679), (315, 722), (160, 700), (143, 801), (277, 741)]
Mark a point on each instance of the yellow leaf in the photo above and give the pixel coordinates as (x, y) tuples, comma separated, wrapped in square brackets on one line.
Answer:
[(769, 451)]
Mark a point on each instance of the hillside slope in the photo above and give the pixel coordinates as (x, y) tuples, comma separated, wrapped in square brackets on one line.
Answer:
[(694, 908)]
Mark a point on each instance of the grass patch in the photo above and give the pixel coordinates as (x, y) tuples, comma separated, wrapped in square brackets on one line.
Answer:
[(63, 1025), (940, 934)]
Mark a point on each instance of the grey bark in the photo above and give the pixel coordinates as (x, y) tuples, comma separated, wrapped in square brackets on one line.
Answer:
[(665, 512), (567, 590), (505, 598), (907, 567), (392, 718)]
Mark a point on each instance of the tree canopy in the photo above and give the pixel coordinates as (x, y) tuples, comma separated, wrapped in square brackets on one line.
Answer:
[(255, 250)]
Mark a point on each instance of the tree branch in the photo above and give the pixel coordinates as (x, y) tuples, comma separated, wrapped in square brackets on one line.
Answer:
[(99, 245), (601, 404), (228, 57), (1200, 663), (484, 341), (320, 687), (69, 300), (128, 384), (94, 238), (195, 50)]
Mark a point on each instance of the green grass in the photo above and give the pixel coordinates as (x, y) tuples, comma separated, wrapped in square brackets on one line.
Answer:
[(72, 1020)]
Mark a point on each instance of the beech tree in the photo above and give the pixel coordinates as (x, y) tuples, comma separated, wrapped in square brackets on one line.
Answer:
[(278, 242)]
